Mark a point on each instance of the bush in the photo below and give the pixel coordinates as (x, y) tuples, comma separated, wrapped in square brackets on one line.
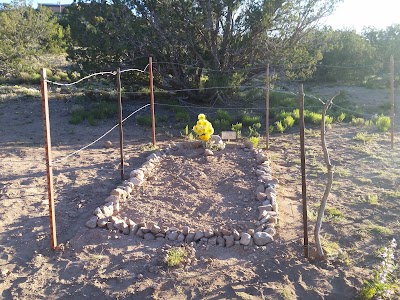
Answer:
[(144, 121), (238, 129), (223, 115), (280, 127), (312, 117), (253, 130), (249, 120), (357, 121), (341, 117), (62, 75), (288, 122), (182, 116), (254, 140), (383, 123), (78, 116)]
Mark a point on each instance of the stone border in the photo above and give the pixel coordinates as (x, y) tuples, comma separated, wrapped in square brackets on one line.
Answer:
[(105, 216)]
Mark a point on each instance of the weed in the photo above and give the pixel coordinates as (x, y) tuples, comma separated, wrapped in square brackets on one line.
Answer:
[(383, 123), (175, 256), (254, 140), (372, 199), (363, 137), (91, 120), (357, 121), (280, 127), (78, 116), (288, 122), (363, 180), (377, 229), (223, 115), (249, 120), (253, 130), (340, 118), (144, 120), (384, 283), (188, 134), (333, 214), (312, 117), (238, 129), (182, 116)]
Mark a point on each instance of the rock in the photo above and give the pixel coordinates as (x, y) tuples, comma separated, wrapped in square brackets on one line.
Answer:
[(260, 228), (265, 178), (133, 228), (98, 212), (148, 166), (204, 240), (153, 158), (225, 231), (271, 231), (140, 233), (92, 223), (198, 235), (120, 193), (116, 206), (110, 225), (160, 235), (208, 233), (212, 241), (262, 238), (274, 205), (108, 144), (270, 195), (236, 235), (185, 230), (273, 220), (181, 237), (247, 144), (136, 181), (229, 241), (261, 158), (108, 209), (155, 229), (102, 222), (216, 139), (220, 241), (208, 152), (245, 238), (261, 196), (137, 174), (266, 202), (111, 198), (189, 237), (128, 190), (260, 188), (145, 229), (262, 209), (149, 236), (117, 223), (172, 236), (261, 172), (250, 231)]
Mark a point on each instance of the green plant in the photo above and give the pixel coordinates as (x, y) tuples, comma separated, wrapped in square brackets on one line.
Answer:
[(384, 284), (312, 117), (144, 120), (223, 115), (182, 116), (250, 120), (175, 256), (363, 137), (77, 116), (372, 199), (238, 129), (280, 127), (253, 130), (254, 140), (288, 122), (188, 133), (357, 121), (91, 119), (341, 117), (383, 123)]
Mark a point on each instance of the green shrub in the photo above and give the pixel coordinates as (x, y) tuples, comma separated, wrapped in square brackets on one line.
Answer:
[(144, 120), (175, 256), (75, 76), (296, 115), (253, 130), (328, 119), (77, 117), (91, 120), (341, 117), (49, 73), (280, 127), (357, 121), (182, 116), (55, 78), (104, 110), (238, 129), (62, 75), (250, 120), (312, 117), (288, 122), (383, 123), (223, 115), (254, 140)]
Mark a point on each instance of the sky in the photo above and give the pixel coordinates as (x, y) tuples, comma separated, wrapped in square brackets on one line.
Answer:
[(349, 14)]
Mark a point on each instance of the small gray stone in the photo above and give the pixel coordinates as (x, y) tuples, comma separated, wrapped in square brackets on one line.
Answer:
[(225, 231), (260, 228), (140, 233), (208, 152), (220, 241), (185, 230), (111, 198), (209, 233), (266, 202), (155, 229), (110, 225), (120, 193), (204, 240), (262, 209), (133, 228), (260, 188), (149, 236), (137, 174), (261, 196), (102, 222), (229, 241), (98, 212), (92, 223), (145, 229), (136, 181), (245, 238), (181, 237), (108, 209), (270, 231), (160, 235), (198, 236), (189, 237), (236, 235), (173, 236), (212, 241), (250, 231), (262, 238)]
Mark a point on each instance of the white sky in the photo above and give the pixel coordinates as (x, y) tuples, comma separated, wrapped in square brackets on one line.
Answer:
[(350, 14), (356, 14)]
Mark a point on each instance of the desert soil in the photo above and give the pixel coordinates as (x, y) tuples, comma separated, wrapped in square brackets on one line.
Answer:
[(94, 263)]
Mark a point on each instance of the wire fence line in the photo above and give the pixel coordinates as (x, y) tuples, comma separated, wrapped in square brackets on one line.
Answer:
[(98, 139)]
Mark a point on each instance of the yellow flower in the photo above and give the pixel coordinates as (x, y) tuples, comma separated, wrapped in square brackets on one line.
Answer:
[(201, 117)]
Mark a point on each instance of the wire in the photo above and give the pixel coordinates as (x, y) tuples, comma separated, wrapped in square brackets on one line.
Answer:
[(73, 83), (98, 139)]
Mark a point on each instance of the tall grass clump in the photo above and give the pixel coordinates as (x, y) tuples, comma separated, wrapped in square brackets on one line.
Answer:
[(383, 123)]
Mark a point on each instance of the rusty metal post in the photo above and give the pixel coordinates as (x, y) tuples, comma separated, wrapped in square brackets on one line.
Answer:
[(267, 110), (303, 169), (121, 132), (392, 99), (153, 120), (49, 168)]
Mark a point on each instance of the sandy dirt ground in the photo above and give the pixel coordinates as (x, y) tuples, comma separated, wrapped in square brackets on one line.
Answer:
[(94, 263)]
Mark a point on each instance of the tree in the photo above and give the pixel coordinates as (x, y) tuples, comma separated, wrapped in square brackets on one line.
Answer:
[(25, 33), (203, 42)]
